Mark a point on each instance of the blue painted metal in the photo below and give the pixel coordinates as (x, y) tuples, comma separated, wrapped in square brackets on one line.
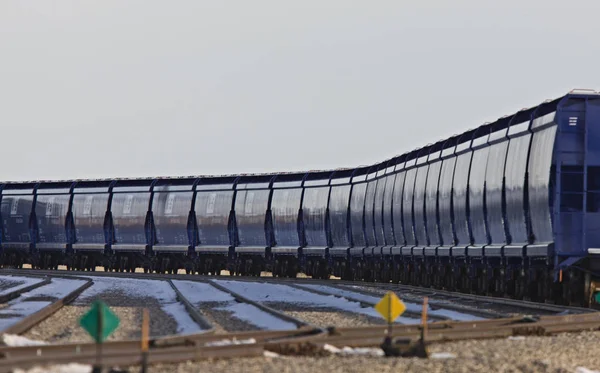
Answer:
[(526, 187)]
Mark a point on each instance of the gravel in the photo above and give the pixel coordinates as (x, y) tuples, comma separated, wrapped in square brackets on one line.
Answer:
[(7, 284), (557, 354), (222, 320), (325, 317), (63, 326)]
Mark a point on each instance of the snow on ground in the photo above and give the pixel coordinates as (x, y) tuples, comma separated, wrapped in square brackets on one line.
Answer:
[(257, 317), (200, 292), (20, 283), (67, 368), (267, 292), (21, 307), (58, 288), (412, 307), (14, 340), (353, 351), (158, 289)]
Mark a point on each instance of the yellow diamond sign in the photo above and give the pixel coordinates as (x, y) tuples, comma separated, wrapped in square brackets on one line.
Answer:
[(390, 307)]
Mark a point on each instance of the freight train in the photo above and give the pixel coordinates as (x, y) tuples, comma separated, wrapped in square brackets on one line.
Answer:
[(509, 208)]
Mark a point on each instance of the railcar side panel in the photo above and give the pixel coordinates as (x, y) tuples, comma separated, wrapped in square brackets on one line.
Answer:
[(314, 209), (459, 197), (16, 210), (129, 211), (357, 210), (285, 205), (212, 209), (419, 205), (540, 161), (89, 211), (431, 203), (515, 173), (445, 201), (399, 236), (370, 239), (338, 215), (171, 211), (476, 196), (388, 203), (51, 212), (250, 211)]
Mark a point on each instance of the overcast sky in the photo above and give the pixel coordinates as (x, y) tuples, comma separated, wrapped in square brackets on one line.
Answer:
[(154, 88)]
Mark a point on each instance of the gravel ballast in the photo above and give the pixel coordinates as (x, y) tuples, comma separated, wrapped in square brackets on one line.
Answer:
[(556, 354), (6, 284), (325, 317), (222, 320), (63, 326)]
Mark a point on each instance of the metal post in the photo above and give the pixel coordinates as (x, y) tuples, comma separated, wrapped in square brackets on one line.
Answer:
[(145, 336), (390, 322), (98, 367)]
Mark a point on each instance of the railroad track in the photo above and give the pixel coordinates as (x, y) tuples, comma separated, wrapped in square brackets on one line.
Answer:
[(483, 306), (306, 339), (502, 307), (298, 342), (364, 301), (35, 318), (16, 291), (261, 306)]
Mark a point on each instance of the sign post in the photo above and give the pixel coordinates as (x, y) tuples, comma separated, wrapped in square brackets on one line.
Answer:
[(424, 318), (145, 337), (99, 322)]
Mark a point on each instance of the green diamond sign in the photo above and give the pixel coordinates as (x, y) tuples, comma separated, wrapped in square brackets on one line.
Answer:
[(99, 321)]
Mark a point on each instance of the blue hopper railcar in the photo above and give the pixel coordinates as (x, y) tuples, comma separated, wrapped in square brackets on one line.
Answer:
[(511, 207)]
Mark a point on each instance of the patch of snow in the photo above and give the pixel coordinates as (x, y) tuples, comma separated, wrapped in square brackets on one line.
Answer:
[(158, 289), (68, 368), (201, 292), (516, 338), (585, 370), (185, 323), (412, 307), (257, 317), (271, 354), (22, 282), (24, 308), (14, 340), (21, 307), (353, 351), (58, 288), (442, 355), (331, 348), (229, 342), (268, 292)]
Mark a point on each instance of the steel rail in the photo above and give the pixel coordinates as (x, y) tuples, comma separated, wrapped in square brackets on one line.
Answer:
[(127, 357), (434, 303), (194, 313), (363, 302), (128, 353), (280, 315), (522, 306)]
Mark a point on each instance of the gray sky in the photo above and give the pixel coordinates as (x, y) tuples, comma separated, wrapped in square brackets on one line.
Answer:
[(153, 88)]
